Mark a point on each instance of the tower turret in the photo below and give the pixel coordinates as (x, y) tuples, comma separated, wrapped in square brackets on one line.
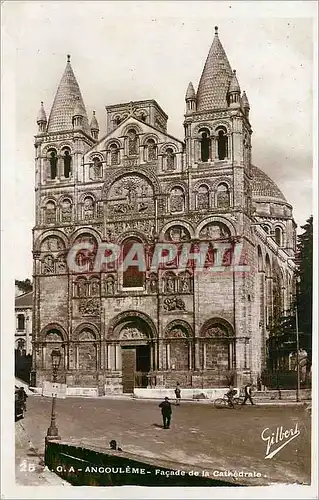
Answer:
[(94, 126), (41, 120), (78, 115), (190, 98), (234, 92)]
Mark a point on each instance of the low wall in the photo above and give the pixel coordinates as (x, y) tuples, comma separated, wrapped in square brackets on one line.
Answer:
[(160, 393), (91, 467)]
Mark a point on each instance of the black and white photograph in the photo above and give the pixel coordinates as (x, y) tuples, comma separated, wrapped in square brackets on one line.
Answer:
[(158, 274)]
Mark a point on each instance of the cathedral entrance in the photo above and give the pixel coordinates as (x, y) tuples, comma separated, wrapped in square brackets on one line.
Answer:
[(135, 339), (136, 364)]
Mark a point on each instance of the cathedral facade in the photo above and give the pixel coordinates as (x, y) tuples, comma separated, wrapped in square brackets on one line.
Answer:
[(125, 328)]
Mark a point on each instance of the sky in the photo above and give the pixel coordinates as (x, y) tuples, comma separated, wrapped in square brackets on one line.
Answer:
[(126, 51)]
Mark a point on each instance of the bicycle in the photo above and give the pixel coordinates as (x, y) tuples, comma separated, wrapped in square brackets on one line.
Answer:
[(224, 402)]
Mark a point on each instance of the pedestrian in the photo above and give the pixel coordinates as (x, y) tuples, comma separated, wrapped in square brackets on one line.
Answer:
[(178, 394), (166, 412), (248, 392), (22, 395)]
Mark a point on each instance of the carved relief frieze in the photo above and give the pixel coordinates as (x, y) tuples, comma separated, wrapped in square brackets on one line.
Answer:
[(174, 304), (89, 307)]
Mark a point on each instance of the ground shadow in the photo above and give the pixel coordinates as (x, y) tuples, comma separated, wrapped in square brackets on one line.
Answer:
[(157, 425)]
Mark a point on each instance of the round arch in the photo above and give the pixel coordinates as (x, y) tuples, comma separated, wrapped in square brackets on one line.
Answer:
[(176, 323), (215, 218), (217, 321), (86, 326), (131, 315), (54, 326), (47, 234), (115, 176), (182, 223)]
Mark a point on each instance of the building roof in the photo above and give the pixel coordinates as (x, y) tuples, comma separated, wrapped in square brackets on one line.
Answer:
[(263, 186), (216, 77), (67, 97), (244, 101), (25, 300)]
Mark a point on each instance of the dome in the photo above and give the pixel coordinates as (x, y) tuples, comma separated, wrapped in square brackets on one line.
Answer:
[(264, 187)]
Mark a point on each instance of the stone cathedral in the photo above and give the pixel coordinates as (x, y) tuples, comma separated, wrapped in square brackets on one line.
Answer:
[(123, 330)]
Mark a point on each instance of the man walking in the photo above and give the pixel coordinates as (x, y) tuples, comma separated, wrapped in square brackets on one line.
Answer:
[(248, 390), (178, 394), (166, 412)]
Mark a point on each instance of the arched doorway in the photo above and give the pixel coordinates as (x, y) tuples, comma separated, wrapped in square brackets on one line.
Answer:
[(134, 344)]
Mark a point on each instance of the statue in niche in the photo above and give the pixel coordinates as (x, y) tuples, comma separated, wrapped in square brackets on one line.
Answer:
[(153, 284), (66, 211), (170, 284), (185, 284), (177, 200), (132, 142), (53, 337), (81, 288), (88, 208), (50, 213), (110, 286), (48, 265), (61, 263), (94, 288)]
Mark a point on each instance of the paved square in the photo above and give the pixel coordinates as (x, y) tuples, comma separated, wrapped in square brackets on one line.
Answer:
[(200, 437)]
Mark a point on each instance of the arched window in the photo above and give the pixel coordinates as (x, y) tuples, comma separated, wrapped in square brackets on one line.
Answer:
[(88, 208), (53, 163), (223, 198), (260, 260), (205, 146), (278, 236), (67, 160), (222, 144), (132, 142), (132, 276), (21, 322), (177, 200), (203, 198), (20, 347), (50, 213), (66, 210), (170, 159), (114, 154), (151, 153)]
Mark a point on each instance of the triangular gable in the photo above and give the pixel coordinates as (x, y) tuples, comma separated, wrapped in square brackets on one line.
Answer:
[(146, 127)]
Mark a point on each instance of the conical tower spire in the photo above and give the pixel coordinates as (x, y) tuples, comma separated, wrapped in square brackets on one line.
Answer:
[(216, 77), (245, 104), (190, 92), (94, 126), (67, 97)]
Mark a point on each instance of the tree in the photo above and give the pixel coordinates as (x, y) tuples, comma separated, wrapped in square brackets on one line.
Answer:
[(305, 287), (282, 338), (25, 285)]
